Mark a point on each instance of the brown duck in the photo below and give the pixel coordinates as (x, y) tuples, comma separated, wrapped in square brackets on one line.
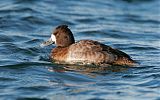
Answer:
[(67, 51)]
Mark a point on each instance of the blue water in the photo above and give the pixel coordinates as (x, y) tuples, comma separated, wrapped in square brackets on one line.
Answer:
[(26, 73)]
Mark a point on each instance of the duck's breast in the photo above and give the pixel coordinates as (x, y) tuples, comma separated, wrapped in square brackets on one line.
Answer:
[(59, 54)]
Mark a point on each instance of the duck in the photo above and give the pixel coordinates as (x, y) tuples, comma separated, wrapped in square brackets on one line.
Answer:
[(83, 52)]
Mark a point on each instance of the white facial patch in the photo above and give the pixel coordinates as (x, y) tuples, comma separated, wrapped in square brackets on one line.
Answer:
[(53, 38)]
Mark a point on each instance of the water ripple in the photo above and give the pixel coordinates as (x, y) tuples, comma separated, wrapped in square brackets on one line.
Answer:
[(27, 73)]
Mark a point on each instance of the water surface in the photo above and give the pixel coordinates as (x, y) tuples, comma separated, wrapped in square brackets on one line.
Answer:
[(26, 72)]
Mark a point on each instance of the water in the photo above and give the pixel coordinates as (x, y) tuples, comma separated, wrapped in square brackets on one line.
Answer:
[(26, 72)]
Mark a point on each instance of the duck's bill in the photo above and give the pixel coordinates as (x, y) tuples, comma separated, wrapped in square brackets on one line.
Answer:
[(46, 43)]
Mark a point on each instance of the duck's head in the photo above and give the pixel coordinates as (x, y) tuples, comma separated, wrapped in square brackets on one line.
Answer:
[(61, 36)]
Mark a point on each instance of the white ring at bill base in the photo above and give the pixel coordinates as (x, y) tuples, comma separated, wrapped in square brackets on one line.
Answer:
[(53, 38)]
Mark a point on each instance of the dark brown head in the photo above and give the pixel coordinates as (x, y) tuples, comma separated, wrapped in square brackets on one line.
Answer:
[(61, 36)]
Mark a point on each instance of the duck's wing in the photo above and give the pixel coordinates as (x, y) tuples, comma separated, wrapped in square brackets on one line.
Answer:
[(86, 45), (120, 58), (93, 51), (89, 51)]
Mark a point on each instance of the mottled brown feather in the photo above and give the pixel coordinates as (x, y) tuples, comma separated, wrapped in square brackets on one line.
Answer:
[(59, 54)]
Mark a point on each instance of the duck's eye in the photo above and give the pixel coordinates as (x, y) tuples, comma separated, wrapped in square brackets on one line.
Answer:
[(55, 33)]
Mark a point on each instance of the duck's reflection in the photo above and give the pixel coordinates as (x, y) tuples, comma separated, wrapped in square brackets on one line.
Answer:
[(90, 70)]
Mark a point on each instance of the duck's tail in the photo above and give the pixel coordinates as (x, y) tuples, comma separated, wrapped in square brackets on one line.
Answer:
[(125, 61)]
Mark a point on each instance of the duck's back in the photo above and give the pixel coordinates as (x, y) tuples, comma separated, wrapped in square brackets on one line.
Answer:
[(93, 52)]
